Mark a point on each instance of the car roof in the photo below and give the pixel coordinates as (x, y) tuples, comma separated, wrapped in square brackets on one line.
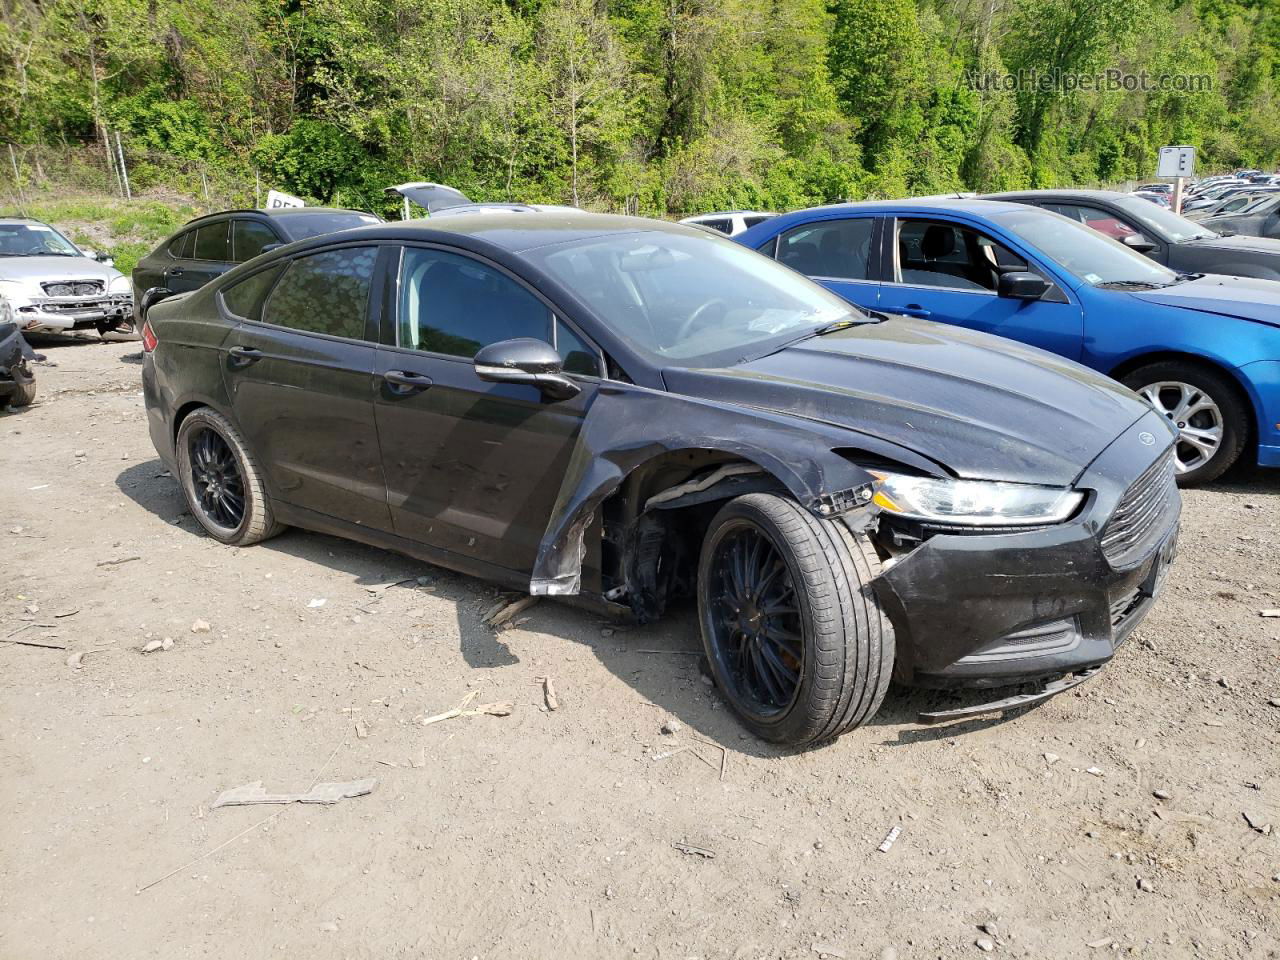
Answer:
[(1066, 193), (511, 232), (19, 220), (274, 212)]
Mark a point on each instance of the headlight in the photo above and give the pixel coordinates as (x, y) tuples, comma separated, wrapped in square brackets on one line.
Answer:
[(974, 502), (120, 285)]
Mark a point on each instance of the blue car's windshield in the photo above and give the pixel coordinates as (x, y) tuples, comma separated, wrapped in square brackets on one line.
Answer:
[(1094, 258), (693, 299)]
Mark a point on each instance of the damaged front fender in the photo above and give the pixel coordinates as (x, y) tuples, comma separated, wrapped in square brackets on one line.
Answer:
[(628, 426)]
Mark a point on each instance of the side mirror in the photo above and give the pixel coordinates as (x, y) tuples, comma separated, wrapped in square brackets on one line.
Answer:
[(1023, 285), (1136, 241), (1225, 231), (149, 299), (533, 363)]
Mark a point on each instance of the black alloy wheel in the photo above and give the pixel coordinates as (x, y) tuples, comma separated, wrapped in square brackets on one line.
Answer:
[(216, 478), (756, 629)]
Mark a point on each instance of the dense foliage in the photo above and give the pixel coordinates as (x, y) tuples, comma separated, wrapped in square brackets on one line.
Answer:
[(655, 106)]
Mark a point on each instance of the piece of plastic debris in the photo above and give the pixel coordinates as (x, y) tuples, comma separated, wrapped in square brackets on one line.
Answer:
[(890, 838), (1269, 613), (690, 849), (670, 753), (316, 602), (200, 626), (252, 793), (1095, 771), (362, 731), (152, 646)]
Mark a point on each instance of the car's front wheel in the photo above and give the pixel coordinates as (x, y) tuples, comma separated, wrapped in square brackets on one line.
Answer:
[(795, 637), (222, 481), (1204, 407)]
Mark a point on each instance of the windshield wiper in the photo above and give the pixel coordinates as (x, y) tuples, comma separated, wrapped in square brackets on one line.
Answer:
[(1145, 284)]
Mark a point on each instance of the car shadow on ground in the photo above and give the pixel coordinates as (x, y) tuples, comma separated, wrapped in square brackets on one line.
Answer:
[(661, 661)]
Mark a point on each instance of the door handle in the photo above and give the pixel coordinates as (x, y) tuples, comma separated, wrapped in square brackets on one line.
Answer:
[(406, 382), (243, 356), (915, 310), (175, 271)]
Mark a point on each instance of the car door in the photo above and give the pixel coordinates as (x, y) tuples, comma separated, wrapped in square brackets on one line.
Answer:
[(836, 252), (299, 371), (205, 254), (473, 467), (949, 272)]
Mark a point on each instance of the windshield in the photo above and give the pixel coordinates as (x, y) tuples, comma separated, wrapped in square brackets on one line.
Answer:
[(300, 226), (34, 240), (693, 300), (1091, 256), (1164, 223)]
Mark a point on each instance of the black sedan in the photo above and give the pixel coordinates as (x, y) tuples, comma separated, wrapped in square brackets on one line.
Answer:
[(209, 246), (1180, 244), (626, 412)]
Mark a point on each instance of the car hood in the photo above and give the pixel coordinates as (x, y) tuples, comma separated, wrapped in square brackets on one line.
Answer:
[(981, 406), (1238, 244), (1246, 298), (33, 271)]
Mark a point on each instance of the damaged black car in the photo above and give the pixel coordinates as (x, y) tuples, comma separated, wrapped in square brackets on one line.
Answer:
[(17, 379), (627, 412)]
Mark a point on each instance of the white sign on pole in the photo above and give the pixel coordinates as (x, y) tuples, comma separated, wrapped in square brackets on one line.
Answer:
[(277, 200), (1176, 162)]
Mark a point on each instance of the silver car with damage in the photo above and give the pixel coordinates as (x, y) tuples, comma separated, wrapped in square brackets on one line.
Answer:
[(50, 285)]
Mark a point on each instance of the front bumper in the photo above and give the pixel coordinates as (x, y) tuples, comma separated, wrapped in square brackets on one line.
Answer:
[(61, 314), (1010, 608)]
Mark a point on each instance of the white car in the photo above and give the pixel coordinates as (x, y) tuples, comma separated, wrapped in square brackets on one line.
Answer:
[(49, 285), (729, 222)]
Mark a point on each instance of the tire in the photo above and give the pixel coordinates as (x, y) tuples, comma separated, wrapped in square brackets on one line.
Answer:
[(24, 394), (1160, 384), (833, 628), (209, 446)]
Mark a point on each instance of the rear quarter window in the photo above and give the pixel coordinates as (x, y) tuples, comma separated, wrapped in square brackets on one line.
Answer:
[(246, 297)]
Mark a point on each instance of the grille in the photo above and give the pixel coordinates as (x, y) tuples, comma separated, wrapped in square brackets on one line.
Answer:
[(1140, 509), (73, 288)]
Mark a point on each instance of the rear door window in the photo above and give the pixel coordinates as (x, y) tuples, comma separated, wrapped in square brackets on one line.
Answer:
[(832, 249), (245, 298), (248, 237), (325, 293), (212, 242)]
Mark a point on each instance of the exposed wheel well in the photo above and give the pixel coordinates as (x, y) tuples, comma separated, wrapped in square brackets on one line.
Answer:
[(653, 553)]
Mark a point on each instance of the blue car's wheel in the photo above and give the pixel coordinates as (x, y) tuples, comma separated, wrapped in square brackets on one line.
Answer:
[(1204, 407)]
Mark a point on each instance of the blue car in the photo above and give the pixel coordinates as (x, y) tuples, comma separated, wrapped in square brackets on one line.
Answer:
[(1203, 350)]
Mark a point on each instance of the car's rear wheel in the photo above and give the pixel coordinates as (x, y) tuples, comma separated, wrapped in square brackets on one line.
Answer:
[(221, 480), (796, 640), (1204, 407)]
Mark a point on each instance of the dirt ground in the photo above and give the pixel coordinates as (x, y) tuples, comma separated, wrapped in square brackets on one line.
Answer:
[(552, 834)]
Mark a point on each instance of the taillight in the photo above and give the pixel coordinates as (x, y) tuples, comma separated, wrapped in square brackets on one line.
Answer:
[(149, 341)]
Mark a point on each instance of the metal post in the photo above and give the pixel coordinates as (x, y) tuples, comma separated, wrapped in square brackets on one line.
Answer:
[(1177, 195), (124, 171), (204, 180), (257, 188), (17, 180)]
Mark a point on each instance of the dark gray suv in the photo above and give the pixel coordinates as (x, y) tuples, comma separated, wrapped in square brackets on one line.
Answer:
[(209, 246)]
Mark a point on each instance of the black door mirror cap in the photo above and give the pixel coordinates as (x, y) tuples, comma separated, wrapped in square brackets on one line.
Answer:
[(527, 361), (1023, 285)]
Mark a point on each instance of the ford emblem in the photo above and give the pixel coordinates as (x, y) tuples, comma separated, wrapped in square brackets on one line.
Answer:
[(1147, 438)]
